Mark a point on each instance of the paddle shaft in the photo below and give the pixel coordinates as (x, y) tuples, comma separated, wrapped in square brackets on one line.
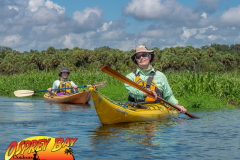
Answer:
[(124, 79), (24, 93), (59, 89)]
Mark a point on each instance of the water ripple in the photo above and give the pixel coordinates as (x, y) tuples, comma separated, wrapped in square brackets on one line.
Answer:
[(213, 136)]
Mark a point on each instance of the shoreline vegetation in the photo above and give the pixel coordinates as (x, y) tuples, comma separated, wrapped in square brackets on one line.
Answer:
[(213, 90), (206, 77)]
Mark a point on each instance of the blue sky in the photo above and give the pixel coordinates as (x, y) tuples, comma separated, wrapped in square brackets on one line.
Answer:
[(122, 24)]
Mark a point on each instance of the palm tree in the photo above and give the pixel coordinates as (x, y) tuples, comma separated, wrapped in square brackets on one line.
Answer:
[(70, 151), (110, 60), (24, 68), (4, 65), (17, 66), (51, 50), (33, 66), (92, 59), (188, 49), (211, 51), (47, 64), (172, 50), (10, 68), (16, 58)]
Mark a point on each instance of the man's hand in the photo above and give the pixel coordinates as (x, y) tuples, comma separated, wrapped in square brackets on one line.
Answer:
[(154, 94), (182, 109)]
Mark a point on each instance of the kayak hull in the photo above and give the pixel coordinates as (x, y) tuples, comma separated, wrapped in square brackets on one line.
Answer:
[(110, 112), (77, 98)]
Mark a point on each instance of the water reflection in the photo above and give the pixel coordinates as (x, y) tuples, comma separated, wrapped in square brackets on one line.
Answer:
[(147, 139), (70, 106), (144, 133), (22, 104)]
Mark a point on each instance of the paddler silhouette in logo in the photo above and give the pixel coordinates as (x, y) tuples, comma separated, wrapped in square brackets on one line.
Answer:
[(35, 156)]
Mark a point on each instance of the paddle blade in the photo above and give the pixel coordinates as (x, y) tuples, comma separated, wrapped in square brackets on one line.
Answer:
[(98, 84), (23, 93), (120, 77)]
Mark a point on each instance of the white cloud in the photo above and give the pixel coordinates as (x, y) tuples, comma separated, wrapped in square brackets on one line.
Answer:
[(112, 35), (68, 42), (127, 45), (209, 5), (105, 26), (42, 16), (46, 24), (143, 41), (33, 5), (12, 39), (82, 16), (204, 15), (231, 16), (2, 28), (27, 45), (49, 4), (212, 27), (144, 9), (80, 40), (13, 7), (213, 37), (159, 10), (200, 36), (188, 33), (153, 33)]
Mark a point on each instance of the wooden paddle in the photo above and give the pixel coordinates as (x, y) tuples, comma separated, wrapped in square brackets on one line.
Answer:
[(124, 79), (24, 93)]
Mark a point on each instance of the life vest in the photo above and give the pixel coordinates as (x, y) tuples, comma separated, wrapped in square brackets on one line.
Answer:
[(64, 85), (149, 85)]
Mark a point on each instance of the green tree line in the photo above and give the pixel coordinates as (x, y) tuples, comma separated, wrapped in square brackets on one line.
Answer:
[(214, 57)]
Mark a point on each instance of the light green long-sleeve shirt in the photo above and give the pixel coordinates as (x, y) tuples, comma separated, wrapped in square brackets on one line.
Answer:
[(159, 79)]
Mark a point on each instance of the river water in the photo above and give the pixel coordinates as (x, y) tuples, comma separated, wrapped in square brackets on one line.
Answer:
[(213, 136)]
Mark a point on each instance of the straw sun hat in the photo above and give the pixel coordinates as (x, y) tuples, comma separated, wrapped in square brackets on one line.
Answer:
[(142, 49)]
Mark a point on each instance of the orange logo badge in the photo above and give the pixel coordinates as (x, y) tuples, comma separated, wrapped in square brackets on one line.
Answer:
[(41, 147)]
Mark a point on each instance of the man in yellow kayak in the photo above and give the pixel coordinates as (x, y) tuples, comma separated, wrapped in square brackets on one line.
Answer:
[(153, 80), (63, 82)]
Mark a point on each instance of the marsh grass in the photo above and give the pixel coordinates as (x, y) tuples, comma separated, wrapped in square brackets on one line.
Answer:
[(222, 86), (202, 90)]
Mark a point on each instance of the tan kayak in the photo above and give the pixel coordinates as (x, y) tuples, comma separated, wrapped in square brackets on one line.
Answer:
[(81, 97)]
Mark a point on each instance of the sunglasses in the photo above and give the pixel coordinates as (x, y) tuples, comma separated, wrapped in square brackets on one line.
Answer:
[(141, 55)]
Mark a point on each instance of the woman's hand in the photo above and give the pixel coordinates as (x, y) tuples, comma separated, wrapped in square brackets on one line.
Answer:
[(49, 90), (76, 88)]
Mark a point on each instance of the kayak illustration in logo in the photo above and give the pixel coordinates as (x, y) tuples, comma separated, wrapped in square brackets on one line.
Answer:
[(41, 148)]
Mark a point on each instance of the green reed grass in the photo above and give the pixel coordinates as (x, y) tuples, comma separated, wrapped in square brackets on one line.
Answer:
[(42, 80), (202, 90)]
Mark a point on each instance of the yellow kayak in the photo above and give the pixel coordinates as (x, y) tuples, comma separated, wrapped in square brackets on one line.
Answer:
[(81, 97), (110, 112)]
